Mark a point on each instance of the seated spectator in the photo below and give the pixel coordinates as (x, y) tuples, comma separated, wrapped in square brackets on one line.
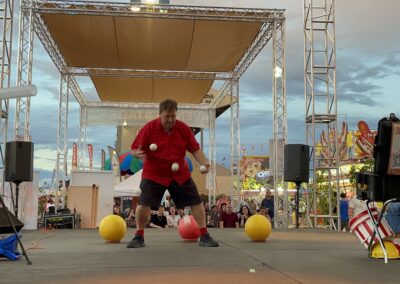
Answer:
[(117, 211), (158, 220), (130, 219), (244, 214), (60, 205), (173, 218), (180, 212), (213, 220), (222, 209), (264, 211), (222, 200), (50, 207), (228, 219)]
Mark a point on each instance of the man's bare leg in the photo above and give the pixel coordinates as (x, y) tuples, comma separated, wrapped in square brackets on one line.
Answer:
[(199, 214), (142, 217)]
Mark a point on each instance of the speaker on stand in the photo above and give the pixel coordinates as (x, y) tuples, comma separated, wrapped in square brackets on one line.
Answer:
[(296, 168), (18, 167)]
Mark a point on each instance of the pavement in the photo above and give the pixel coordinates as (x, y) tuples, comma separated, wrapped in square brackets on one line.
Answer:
[(287, 256)]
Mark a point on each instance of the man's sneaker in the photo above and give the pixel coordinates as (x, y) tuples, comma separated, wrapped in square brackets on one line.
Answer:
[(136, 242), (207, 241)]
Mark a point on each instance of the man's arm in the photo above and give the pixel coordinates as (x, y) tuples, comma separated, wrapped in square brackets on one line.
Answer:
[(201, 158), (139, 153)]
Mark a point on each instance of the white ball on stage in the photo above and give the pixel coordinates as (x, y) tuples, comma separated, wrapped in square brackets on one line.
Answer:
[(203, 168), (153, 147), (175, 167)]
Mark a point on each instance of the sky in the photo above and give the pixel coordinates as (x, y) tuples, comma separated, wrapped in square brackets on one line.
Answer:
[(368, 75)]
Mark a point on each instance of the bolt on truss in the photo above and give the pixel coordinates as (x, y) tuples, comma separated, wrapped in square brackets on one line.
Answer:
[(321, 105), (6, 22), (279, 123)]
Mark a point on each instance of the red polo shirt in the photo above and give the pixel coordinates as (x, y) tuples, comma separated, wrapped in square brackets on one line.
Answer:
[(171, 148)]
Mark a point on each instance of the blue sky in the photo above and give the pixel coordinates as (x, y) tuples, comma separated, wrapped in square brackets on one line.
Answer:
[(368, 75)]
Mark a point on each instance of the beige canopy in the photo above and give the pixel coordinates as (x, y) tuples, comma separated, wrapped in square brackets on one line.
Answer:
[(117, 42)]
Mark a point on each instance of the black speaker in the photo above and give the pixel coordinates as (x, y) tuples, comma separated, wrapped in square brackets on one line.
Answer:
[(297, 163), (19, 161), (383, 141), (5, 226)]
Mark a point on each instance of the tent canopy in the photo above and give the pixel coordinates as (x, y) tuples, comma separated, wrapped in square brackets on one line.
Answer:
[(130, 186), (117, 42)]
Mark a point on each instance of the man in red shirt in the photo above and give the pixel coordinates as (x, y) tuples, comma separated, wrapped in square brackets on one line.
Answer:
[(228, 219), (165, 167)]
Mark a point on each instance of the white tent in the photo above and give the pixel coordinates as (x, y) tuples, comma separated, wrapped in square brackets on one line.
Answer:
[(130, 186)]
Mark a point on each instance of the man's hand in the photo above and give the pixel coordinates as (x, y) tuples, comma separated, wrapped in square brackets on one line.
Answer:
[(205, 168), (139, 153)]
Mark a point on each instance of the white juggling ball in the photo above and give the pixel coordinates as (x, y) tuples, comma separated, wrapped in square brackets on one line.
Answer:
[(203, 168), (175, 167), (153, 147)]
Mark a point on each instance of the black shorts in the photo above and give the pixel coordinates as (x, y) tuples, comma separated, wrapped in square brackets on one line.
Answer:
[(183, 195)]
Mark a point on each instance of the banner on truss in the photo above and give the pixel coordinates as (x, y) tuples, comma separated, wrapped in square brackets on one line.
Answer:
[(128, 116)]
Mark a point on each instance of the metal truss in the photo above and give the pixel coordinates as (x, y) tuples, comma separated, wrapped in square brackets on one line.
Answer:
[(279, 124), (134, 105), (62, 135), (24, 73), (55, 54), (82, 138), (211, 176), (258, 44), (139, 73), (321, 103), (6, 18), (235, 142), (272, 22), (156, 11)]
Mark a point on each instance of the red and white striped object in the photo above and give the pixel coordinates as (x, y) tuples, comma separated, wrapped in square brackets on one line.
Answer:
[(361, 225)]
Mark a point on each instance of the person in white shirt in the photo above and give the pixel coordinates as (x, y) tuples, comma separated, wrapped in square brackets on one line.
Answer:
[(356, 206), (173, 218)]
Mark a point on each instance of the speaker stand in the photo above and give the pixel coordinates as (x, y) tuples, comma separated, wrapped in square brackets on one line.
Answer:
[(17, 183), (298, 184), (15, 230)]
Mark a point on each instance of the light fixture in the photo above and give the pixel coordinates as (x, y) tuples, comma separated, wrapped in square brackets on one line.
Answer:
[(18, 92), (135, 9), (150, 2), (278, 72)]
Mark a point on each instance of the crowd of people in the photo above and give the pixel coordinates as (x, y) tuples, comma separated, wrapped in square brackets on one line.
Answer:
[(219, 215)]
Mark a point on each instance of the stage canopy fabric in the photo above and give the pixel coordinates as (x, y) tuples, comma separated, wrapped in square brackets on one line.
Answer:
[(130, 186), (117, 42)]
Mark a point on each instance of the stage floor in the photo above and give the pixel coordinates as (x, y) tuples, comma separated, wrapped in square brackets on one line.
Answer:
[(288, 256)]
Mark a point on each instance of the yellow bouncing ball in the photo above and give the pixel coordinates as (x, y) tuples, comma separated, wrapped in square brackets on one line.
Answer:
[(391, 249), (258, 228), (112, 228)]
